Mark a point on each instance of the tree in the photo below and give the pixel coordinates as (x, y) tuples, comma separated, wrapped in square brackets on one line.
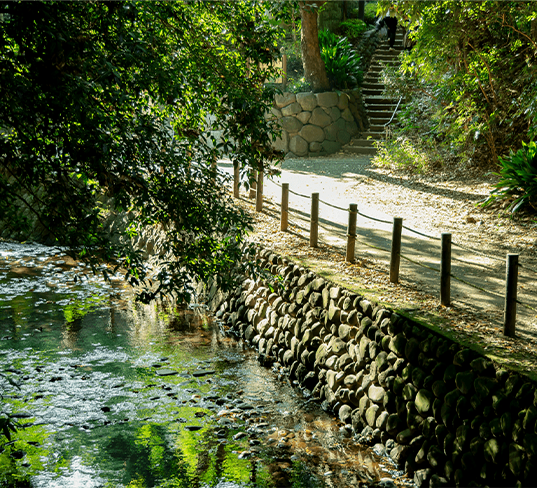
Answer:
[(107, 112), (361, 9), (475, 61), (314, 69)]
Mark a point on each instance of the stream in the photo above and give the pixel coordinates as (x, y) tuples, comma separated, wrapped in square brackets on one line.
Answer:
[(111, 393)]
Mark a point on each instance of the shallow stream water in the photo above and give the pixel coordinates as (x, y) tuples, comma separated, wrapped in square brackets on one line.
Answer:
[(110, 393)]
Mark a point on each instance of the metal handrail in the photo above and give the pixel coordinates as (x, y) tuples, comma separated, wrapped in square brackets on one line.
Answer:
[(394, 112)]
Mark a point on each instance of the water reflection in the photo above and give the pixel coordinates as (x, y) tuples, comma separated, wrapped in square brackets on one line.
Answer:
[(122, 395)]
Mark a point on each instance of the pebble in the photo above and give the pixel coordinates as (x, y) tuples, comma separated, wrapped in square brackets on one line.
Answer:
[(240, 435), (165, 372)]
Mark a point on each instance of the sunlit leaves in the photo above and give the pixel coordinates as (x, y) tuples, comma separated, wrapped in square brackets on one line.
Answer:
[(107, 128), (477, 62)]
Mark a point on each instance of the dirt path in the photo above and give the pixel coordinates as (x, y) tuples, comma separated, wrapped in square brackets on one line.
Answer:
[(430, 205)]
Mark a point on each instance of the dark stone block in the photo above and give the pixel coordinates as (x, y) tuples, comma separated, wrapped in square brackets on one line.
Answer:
[(485, 386), (418, 377), (435, 457), (482, 366), (398, 344), (450, 373), (439, 389), (440, 433), (511, 383), (393, 424), (451, 398), (422, 476), (412, 349), (465, 382), (309, 381), (424, 400), (463, 408), (495, 427), (428, 427), (428, 382), (463, 357), (525, 393)]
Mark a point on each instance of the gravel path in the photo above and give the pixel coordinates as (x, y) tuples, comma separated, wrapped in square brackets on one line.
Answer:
[(429, 204)]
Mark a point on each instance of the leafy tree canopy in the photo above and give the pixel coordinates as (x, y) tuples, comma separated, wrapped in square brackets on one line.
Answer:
[(107, 109), (476, 64)]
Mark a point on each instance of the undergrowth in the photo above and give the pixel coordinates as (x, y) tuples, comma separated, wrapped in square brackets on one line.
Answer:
[(407, 153)]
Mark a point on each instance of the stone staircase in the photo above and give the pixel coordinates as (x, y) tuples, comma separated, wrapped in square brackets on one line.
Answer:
[(379, 108)]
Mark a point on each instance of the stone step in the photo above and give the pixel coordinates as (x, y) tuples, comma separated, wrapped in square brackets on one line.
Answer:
[(379, 120), (375, 80), (381, 62), (373, 135), (381, 100), (372, 86), (377, 127), (380, 113), (385, 55), (373, 105), (350, 149), (385, 51), (361, 142), (368, 91)]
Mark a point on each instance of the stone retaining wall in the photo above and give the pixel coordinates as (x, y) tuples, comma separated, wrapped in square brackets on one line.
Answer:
[(315, 124), (442, 412), (367, 46)]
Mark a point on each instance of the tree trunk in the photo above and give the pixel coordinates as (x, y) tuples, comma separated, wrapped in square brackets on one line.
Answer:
[(361, 9), (314, 70)]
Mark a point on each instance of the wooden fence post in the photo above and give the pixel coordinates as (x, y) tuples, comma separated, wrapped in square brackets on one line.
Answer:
[(253, 184), (259, 192), (214, 170), (314, 220), (351, 232), (236, 179), (511, 278), (284, 219), (396, 249), (445, 270), (284, 71)]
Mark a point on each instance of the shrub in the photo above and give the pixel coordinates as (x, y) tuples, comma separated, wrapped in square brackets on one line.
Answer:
[(294, 56), (298, 86), (354, 27), (342, 63), (404, 153), (370, 14), (518, 178)]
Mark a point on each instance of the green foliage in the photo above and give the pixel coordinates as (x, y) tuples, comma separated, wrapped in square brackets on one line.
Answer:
[(370, 13), (109, 110), (407, 154), (301, 477), (518, 179), (353, 28), (294, 56), (474, 64), (342, 63), (298, 86), (8, 424), (423, 123)]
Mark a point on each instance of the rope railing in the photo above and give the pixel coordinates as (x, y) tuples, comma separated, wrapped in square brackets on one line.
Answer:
[(512, 264), (410, 229)]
